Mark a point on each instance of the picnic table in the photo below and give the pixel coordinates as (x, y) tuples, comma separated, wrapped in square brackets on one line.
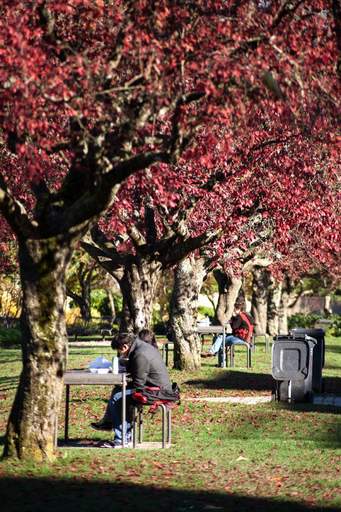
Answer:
[(214, 329), (85, 377), (201, 330)]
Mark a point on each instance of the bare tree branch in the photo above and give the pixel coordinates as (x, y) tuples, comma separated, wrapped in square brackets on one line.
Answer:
[(336, 4), (287, 9), (15, 213)]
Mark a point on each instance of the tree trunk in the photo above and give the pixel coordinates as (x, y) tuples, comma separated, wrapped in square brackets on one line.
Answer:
[(85, 306), (274, 301), (228, 287), (327, 305), (259, 301), (289, 297), (283, 309), (188, 280), (111, 303), (138, 285), (31, 430), (83, 301)]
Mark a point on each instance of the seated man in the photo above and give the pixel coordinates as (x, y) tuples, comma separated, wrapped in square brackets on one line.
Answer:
[(105, 423), (146, 368), (242, 329)]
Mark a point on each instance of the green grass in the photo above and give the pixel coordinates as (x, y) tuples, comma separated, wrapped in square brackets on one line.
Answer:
[(224, 457)]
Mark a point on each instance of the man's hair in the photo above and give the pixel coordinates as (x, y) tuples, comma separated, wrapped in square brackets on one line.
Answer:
[(239, 304), (123, 338), (148, 336)]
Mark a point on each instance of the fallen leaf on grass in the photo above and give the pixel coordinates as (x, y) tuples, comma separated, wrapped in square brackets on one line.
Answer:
[(133, 472), (159, 465), (241, 458)]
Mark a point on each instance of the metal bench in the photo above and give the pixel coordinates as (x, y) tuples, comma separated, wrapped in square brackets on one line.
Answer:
[(166, 422), (230, 352)]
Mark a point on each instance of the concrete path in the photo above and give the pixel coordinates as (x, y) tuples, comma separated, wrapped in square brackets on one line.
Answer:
[(99, 343), (330, 400), (327, 400), (248, 400)]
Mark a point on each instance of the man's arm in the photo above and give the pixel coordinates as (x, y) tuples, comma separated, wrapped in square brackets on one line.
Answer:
[(236, 322), (139, 369), (250, 317)]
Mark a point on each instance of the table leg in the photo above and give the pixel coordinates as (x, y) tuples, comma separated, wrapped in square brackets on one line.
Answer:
[(124, 402), (224, 350), (267, 344), (67, 404), (232, 356)]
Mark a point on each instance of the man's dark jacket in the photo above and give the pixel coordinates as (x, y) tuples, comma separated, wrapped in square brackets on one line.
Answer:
[(146, 366)]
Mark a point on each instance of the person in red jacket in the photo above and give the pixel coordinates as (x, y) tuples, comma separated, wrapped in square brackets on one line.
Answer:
[(242, 325)]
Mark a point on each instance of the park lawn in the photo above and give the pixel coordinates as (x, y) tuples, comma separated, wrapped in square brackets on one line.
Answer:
[(224, 456)]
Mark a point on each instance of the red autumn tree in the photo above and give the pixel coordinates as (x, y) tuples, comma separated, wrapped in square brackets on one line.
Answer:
[(92, 92), (230, 204)]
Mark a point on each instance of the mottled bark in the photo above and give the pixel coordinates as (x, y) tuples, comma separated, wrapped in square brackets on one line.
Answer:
[(283, 311), (188, 280), (81, 278), (289, 297), (83, 300), (138, 285), (111, 303), (229, 287), (31, 429), (327, 305), (274, 300), (259, 302)]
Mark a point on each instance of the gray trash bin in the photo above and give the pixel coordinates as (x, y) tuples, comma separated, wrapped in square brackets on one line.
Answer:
[(292, 367), (319, 354)]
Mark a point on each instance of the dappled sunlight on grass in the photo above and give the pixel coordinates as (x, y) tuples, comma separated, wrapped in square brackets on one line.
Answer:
[(276, 457)]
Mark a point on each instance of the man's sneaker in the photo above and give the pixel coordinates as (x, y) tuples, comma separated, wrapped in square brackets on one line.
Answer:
[(101, 425), (112, 444)]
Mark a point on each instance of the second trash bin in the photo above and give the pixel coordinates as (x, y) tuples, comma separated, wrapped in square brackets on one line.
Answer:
[(318, 357)]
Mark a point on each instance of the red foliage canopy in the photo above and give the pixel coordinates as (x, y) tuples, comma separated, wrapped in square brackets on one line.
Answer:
[(92, 92)]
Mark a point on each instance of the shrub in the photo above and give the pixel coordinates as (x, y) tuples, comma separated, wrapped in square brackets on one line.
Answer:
[(206, 311), (10, 337), (335, 329), (90, 328), (101, 303), (303, 320)]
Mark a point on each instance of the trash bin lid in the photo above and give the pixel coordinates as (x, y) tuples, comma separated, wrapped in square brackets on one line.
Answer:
[(290, 359), (314, 333)]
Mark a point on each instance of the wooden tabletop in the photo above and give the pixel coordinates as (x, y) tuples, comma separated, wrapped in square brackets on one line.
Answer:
[(86, 377), (211, 329)]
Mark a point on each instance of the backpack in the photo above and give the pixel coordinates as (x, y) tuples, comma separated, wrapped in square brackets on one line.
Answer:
[(245, 333), (152, 395)]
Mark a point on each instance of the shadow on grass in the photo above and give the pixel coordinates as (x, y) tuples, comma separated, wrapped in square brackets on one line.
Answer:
[(333, 348), (8, 383), (331, 385), (231, 379), (235, 380), (8, 360), (41, 494)]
